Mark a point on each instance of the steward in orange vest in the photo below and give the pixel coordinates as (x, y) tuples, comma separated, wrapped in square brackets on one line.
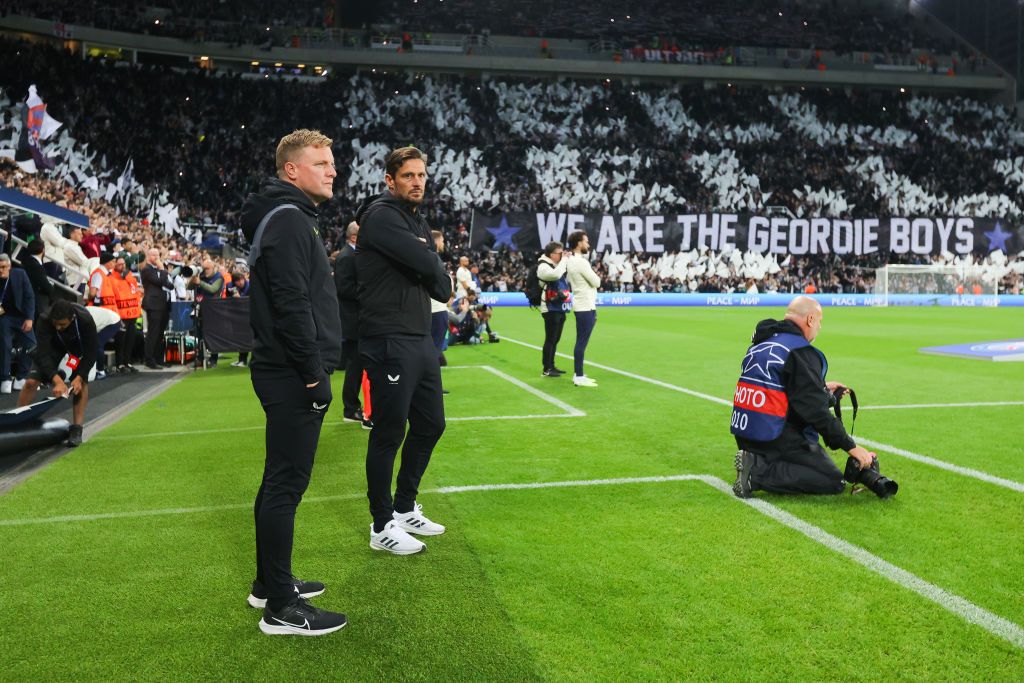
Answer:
[(128, 298), (101, 288)]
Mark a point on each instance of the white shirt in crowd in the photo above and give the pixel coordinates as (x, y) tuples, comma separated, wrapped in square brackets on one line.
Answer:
[(583, 281), (181, 291), (463, 282), (752, 289)]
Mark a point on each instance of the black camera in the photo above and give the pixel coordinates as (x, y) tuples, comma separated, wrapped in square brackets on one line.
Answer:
[(870, 478)]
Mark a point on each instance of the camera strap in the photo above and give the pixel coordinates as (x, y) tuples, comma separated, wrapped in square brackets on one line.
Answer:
[(838, 394)]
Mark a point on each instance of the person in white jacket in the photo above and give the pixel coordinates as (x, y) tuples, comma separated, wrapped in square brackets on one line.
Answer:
[(584, 283)]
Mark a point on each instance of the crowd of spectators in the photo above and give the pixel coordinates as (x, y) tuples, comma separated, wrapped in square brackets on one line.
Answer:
[(655, 24), (509, 144)]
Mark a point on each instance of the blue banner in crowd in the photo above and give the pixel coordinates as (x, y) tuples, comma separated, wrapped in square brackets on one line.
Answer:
[(740, 300)]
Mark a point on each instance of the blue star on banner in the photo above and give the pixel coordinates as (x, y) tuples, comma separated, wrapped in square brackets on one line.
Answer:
[(997, 238), (503, 234)]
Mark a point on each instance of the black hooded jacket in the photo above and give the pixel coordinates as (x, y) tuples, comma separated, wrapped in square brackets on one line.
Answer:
[(294, 306), (809, 400), (397, 269)]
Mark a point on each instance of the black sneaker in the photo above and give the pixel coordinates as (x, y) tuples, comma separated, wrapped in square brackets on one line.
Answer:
[(550, 373), (132, 369), (74, 436), (367, 423), (301, 619), (557, 371), (353, 415), (744, 463), (304, 589)]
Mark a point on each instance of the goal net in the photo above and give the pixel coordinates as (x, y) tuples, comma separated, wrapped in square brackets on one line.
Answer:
[(931, 280)]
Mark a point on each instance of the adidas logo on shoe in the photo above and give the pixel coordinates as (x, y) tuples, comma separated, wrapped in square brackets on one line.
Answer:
[(394, 539)]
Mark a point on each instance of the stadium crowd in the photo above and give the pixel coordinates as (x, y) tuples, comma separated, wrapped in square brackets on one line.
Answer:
[(508, 144), (699, 25)]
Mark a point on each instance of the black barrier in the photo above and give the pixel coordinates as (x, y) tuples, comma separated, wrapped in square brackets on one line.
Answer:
[(15, 417), (33, 435), (225, 325)]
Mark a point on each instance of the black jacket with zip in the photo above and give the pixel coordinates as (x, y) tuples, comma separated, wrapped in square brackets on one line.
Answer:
[(809, 400), (397, 268), (293, 303)]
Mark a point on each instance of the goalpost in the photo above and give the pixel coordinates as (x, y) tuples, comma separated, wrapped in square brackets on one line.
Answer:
[(931, 280)]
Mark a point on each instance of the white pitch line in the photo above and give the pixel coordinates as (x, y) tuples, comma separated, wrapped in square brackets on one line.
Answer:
[(942, 464), (557, 402), (575, 412), (910, 455), (624, 373), (979, 404), (569, 412), (961, 607)]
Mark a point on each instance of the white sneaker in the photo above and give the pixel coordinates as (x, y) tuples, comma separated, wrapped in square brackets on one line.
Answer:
[(583, 381), (18, 384), (395, 540), (415, 523), (238, 364), (5, 386)]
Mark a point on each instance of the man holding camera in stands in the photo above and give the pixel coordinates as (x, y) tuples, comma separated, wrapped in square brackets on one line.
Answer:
[(781, 406)]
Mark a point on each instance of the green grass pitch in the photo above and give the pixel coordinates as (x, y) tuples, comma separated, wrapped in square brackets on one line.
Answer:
[(130, 558)]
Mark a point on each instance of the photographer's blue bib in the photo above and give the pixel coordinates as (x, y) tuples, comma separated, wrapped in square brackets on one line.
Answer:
[(760, 403)]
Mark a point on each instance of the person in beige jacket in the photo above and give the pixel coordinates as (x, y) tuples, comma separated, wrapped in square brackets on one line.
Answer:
[(584, 283)]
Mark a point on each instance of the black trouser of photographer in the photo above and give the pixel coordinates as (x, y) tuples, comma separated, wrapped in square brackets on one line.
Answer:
[(293, 430), (797, 470), (353, 365), (405, 382), (554, 321)]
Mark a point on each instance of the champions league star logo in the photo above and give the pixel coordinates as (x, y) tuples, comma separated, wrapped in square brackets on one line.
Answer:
[(503, 235), (997, 238), (760, 359)]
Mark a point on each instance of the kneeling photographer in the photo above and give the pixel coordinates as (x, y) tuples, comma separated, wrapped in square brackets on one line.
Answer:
[(781, 407)]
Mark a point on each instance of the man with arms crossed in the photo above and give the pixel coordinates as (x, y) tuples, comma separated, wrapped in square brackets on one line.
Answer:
[(399, 272), (296, 347)]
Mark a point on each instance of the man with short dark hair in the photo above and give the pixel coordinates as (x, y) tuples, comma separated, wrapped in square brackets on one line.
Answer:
[(781, 406), (65, 356), (556, 301), (296, 347), (399, 272), (41, 285)]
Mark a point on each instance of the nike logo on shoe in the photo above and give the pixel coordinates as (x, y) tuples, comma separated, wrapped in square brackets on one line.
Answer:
[(304, 624)]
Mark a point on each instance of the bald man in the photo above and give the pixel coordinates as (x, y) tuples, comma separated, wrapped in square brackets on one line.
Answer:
[(156, 303), (781, 407)]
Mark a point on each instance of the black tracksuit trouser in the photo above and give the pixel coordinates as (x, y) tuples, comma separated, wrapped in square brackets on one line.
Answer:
[(353, 365), (293, 430), (405, 383), (554, 321)]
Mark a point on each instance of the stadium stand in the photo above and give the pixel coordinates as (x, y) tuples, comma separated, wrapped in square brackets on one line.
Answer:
[(567, 145)]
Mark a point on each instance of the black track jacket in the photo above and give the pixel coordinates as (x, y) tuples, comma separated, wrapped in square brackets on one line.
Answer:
[(809, 400), (397, 269), (293, 303)]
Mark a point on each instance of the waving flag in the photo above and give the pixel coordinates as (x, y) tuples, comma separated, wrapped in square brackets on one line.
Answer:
[(36, 126)]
